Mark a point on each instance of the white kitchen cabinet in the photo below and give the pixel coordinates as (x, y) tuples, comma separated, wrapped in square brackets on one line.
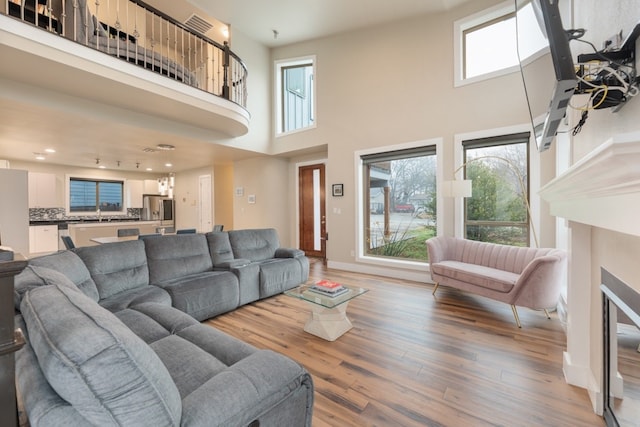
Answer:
[(151, 186), (43, 190), (43, 238), (134, 193)]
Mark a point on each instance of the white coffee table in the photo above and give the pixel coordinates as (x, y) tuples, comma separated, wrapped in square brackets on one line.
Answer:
[(328, 318)]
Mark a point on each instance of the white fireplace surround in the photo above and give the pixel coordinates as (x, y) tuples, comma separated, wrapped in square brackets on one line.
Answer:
[(600, 190)]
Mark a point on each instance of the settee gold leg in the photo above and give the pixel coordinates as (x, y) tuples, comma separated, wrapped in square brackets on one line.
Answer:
[(546, 313), (435, 288), (515, 314)]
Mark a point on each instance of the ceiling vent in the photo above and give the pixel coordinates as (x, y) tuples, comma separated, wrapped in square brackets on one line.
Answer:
[(198, 24)]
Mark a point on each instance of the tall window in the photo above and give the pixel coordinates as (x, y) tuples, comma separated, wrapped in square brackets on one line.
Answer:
[(399, 202), (499, 169), (295, 94), (89, 195)]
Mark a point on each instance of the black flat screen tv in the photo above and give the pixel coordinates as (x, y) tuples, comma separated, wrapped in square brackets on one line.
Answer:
[(550, 80)]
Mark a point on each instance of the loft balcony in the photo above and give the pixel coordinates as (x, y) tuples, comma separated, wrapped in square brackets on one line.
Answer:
[(125, 54)]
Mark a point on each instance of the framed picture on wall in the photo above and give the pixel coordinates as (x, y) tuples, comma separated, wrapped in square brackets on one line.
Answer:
[(337, 190)]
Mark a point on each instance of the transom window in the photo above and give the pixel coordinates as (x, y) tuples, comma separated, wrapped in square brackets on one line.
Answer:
[(295, 100), (499, 170), (89, 195), (487, 46)]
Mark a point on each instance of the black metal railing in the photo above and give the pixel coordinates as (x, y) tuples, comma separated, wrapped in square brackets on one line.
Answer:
[(138, 33)]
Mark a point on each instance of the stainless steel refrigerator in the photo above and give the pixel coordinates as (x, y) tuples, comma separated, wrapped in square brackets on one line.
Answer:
[(14, 210), (158, 208)]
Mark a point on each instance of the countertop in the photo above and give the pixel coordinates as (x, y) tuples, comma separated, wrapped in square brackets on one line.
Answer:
[(64, 223)]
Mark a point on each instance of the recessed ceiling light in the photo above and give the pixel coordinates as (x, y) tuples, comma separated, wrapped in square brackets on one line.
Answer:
[(40, 157), (168, 165), (149, 169), (165, 147), (102, 167), (49, 150)]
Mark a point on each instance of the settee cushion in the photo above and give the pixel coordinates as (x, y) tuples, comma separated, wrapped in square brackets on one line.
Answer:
[(65, 262), (80, 346), (279, 274), (176, 256), (479, 275), (136, 296), (116, 267), (203, 295), (254, 245)]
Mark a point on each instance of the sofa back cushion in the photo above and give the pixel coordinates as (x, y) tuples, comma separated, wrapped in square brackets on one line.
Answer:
[(254, 245), (219, 247), (171, 257), (116, 267), (502, 257), (65, 262), (94, 362)]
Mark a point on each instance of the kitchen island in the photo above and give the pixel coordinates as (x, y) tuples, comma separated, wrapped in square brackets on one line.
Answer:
[(83, 232)]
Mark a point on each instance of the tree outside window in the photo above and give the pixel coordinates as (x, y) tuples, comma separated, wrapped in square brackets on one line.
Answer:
[(497, 211)]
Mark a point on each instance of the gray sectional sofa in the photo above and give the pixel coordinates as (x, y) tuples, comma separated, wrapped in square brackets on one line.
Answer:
[(113, 334)]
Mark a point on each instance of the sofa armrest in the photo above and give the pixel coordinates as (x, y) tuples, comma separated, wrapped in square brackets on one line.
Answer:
[(228, 265), (248, 390), (540, 282), (437, 249), (288, 253)]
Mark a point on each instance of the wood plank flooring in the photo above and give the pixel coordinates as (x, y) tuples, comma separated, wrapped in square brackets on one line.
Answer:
[(415, 360)]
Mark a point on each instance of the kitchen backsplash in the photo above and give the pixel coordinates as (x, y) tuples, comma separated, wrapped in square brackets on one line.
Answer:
[(58, 214)]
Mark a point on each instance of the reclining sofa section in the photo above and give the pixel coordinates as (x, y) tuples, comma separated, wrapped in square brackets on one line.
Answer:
[(113, 337)]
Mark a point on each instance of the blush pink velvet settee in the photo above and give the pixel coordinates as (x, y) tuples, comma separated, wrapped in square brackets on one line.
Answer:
[(519, 276)]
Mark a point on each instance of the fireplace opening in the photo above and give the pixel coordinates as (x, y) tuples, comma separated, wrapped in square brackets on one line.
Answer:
[(621, 351)]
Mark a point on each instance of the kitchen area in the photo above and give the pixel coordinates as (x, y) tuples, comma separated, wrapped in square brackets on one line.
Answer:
[(35, 211)]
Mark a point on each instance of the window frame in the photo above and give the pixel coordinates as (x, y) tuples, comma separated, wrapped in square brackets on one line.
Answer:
[(121, 181), (497, 141), (411, 270), (478, 20), (279, 88)]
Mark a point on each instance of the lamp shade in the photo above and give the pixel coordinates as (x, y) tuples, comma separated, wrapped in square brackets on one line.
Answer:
[(457, 188)]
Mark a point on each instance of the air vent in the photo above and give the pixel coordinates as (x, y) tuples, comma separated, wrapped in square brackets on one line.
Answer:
[(198, 24)]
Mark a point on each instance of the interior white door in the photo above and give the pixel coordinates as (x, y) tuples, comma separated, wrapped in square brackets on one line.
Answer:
[(205, 214)]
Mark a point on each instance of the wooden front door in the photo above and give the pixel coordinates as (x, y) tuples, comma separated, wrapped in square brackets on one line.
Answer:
[(312, 216)]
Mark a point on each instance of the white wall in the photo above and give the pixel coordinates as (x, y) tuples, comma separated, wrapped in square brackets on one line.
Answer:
[(617, 252), (393, 84), (267, 179)]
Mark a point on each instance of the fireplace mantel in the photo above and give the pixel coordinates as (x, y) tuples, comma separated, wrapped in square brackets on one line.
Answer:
[(603, 188)]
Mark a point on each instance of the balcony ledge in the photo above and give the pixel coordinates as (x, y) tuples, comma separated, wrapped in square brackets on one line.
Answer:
[(33, 56)]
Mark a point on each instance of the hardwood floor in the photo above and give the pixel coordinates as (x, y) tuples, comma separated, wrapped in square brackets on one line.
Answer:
[(415, 360)]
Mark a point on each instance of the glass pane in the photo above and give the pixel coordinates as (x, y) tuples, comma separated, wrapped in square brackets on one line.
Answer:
[(82, 196), (110, 196), (497, 210), (401, 207), (490, 48), (297, 97)]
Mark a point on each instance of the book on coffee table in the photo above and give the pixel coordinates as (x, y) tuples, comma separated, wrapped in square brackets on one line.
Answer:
[(328, 288)]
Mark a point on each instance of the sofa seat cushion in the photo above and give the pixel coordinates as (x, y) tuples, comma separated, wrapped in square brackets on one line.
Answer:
[(136, 296), (193, 353), (478, 275), (80, 346), (203, 295), (116, 267), (64, 262), (279, 274)]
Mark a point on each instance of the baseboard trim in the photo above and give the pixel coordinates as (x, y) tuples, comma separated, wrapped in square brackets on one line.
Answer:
[(416, 276)]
